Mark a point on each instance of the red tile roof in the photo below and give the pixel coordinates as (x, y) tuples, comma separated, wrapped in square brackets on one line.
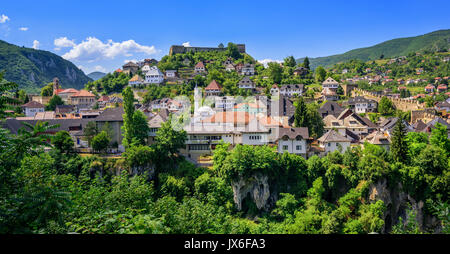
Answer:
[(69, 90), (83, 93), (213, 86), (200, 65), (230, 117), (58, 91), (104, 98), (33, 104)]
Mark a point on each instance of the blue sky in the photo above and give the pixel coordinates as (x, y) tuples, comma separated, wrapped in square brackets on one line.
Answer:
[(101, 35)]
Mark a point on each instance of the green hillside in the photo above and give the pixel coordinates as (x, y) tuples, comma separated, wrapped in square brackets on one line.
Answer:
[(32, 69), (434, 41), (96, 75)]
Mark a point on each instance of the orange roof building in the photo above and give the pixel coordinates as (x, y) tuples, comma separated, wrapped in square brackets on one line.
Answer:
[(213, 89)]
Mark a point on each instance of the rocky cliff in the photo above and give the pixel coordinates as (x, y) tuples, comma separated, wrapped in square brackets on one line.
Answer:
[(397, 203)]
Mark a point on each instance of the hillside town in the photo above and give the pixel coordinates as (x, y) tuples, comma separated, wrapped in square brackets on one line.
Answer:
[(349, 114), (248, 120)]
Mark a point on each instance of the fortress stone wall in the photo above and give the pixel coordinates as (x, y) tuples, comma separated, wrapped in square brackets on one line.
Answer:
[(401, 104), (179, 49)]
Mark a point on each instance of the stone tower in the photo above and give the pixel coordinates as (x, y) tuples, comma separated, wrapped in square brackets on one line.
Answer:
[(55, 86)]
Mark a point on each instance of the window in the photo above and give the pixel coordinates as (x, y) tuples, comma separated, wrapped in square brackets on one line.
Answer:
[(329, 144), (299, 148), (285, 148)]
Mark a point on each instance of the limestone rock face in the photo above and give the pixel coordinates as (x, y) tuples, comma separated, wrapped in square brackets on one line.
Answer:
[(397, 203), (139, 170), (258, 188)]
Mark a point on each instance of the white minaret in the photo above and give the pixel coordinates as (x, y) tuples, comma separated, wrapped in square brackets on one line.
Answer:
[(197, 98)]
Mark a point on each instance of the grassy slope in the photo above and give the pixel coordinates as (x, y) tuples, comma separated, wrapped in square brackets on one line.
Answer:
[(392, 48)]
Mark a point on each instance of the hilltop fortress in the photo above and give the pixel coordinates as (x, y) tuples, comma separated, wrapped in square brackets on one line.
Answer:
[(179, 49)]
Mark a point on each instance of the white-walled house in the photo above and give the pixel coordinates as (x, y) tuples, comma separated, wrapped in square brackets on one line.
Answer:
[(32, 108), (248, 70), (145, 68), (293, 140), (246, 83), (362, 105), (333, 141), (199, 68), (154, 76), (224, 102), (171, 73), (291, 90)]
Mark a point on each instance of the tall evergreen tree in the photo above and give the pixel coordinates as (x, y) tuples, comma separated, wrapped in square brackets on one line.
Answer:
[(399, 146), (128, 107), (289, 61), (306, 63), (301, 114), (140, 127)]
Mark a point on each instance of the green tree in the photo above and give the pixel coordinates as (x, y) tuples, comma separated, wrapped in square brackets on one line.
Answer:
[(54, 101), (439, 137), (31, 138), (306, 63), (168, 140), (315, 121), (101, 141), (139, 159), (90, 131), (22, 96), (289, 61), (140, 127), (275, 72), (429, 101), (128, 106), (6, 100), (47, 90), (63, 142), (233, 51), (301, 114), (399, 146), (321, 74), (386, 107)]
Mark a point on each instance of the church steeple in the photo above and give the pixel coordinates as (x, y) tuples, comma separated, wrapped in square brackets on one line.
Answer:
[(55, 86)]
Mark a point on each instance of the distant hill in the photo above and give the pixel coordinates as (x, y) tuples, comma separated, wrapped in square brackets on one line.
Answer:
[(96, 75), (32, 69), (434, 41)]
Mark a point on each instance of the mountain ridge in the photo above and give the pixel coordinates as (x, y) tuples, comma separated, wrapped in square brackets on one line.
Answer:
[(96, 75), (433, 41), (32, 69)]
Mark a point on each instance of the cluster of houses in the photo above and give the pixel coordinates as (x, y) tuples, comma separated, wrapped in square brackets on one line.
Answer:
[(259, 121), (150, 73)]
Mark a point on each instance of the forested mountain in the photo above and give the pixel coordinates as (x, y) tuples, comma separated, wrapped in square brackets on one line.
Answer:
[(96, 75), (437, 41), (32, 69)]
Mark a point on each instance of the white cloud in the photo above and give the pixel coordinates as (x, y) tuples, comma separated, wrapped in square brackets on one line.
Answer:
[(4, 18), (265, 62), (36, 44), (99, 68), (130, 60), (187, 44), (92, 49), (23, 29), (63, 42)]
